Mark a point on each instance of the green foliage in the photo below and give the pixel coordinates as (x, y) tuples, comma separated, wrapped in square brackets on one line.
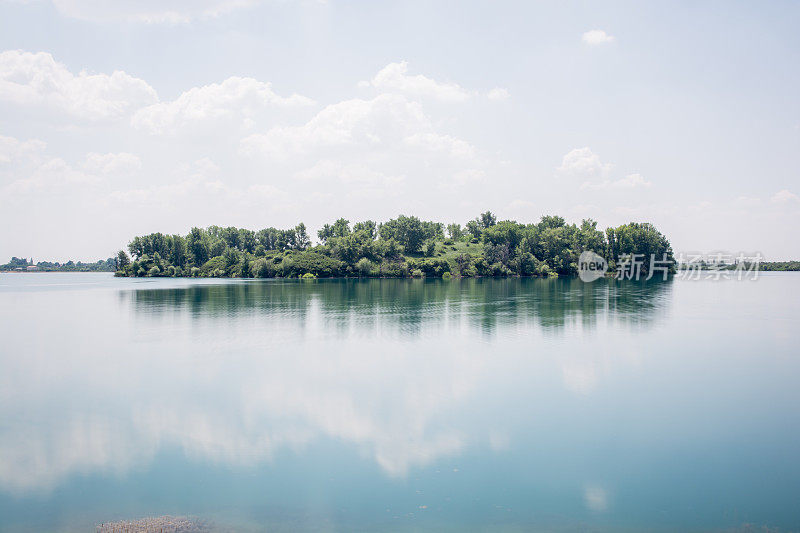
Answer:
[(364, 267), (642, 239), (401, 247)]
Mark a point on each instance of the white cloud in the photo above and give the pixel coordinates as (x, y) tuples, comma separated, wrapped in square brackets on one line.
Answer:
[(498, 93), (441, 143), (394, 78), (385, 120), (583, 162), (53, 176), (36, 79), (785, 197), (597, 37), (148, 11), (239, 98), (199, 177), (12, 149), (628, 182), (469, 175), (119, 163), (352, 173), (27, 169)]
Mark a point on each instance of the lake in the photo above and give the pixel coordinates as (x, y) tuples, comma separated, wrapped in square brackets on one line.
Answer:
[(346, 405)]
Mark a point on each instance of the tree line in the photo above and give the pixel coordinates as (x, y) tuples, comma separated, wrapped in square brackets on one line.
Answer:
[(22, 264), (401, 247)]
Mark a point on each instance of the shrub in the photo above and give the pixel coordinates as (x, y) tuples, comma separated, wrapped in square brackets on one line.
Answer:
[(447, 276), (395, 269), (321, 265), (215, 263), (154, 271), (364, 267), (417, 273)]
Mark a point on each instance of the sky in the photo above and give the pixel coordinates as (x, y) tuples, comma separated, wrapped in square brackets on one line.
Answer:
[(121, 117)]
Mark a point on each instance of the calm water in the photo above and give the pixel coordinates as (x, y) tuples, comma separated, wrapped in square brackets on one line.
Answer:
[(394, 405)]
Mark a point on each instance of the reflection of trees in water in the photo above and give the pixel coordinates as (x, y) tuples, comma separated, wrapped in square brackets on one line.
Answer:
[(409, 305)]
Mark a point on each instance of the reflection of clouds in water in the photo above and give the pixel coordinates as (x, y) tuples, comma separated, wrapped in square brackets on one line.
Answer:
[(38, 457), (392, 408), (235, 373), (596, 498)]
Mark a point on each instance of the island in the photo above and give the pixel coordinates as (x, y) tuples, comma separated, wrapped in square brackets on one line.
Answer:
[(401, 247)]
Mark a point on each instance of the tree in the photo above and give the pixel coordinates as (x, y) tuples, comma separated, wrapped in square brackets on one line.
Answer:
[(302, 240), (642, 239), (408, 231), (177, 253), (487, 219), (136, 247), (122, 260), (475, 229), (367, 227), (197, 246), (454, 231)]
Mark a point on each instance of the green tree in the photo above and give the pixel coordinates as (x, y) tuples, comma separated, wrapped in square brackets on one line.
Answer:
[(122, 260), (487, 219), (454, 231), (197, 247)]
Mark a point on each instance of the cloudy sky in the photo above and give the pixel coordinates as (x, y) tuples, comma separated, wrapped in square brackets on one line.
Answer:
[(124, 117)]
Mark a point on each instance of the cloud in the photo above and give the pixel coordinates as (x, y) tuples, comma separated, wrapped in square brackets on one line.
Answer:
[(387, 119), (583, 162), (26, 168), (597, 37), (240, 98), (148, 11), (498, 93), (199, 177), (628, 182), (784, 197), (394, 78), (36, 79), (12, 149), (119, 163), (353, 173), (441, 143), (53, 176)]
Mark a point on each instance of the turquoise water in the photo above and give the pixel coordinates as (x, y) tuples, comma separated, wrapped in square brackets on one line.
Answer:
[(338, 405)]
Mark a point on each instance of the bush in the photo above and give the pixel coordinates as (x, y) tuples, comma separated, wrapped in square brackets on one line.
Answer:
[(264, 268), (417, 273), (447, 276), (155, 271), (215, 263), (433, 267), (393, 269), (364, 267), (195, 272)]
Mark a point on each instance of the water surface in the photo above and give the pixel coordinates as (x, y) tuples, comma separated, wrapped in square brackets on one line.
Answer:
[(400, 404)]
